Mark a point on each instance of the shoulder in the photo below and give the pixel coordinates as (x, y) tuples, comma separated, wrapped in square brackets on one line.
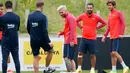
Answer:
[(118, 12), (16, 15), (43, 15), (70, 16), (83, 14), (97, 16)]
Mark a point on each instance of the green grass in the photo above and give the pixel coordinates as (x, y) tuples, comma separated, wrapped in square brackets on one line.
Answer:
[(118, 71)]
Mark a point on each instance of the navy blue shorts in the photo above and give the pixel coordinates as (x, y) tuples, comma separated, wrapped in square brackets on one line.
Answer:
[(36, 45), (68, 51), (87, 45), (114, 44)]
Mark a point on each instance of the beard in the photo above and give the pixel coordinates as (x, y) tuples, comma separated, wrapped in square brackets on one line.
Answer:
[(89, 11), (63, 15)]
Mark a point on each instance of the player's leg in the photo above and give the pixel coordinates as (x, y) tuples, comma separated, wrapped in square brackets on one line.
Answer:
[(15, 55), (5, 54), (49, 56), (81, 51), (118, 56), (35, 50), (9, 66), (125, 68), (113, 49), (70, 56), (66, 57), (36, 63), (93, 63), (114, 61), (92, 51), (73, 65)]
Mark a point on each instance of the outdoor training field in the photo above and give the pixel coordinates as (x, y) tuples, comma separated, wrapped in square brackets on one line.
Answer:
[(118, 71)]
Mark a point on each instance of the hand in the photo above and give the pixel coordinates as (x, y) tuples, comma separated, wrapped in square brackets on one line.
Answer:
[(72, 44), (120, 36), (59, 35), (51, 45), (103, 39)]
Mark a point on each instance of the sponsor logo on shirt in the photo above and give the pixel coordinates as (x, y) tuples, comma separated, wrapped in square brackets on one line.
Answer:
[(10, 26), (34, 24)]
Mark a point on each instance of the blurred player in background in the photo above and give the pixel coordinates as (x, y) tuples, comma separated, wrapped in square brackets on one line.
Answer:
[(2, 13), (10, 23), (70, 37), (37, 28), (88, 41), (116, 27)]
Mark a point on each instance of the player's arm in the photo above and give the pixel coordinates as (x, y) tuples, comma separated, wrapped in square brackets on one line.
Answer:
[(61, 33), (18, 23), (28, 25), (107, 30), (71, 23), (102, 21), (45, 31), (123, 25), (78, 21), (1, 21), (106, 33)]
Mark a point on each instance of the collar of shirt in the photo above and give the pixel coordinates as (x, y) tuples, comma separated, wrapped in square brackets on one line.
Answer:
[(113, 10), (89, 15), (67, 14)]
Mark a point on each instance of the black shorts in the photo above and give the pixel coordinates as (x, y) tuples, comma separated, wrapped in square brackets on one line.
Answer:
[(115, 44), (69, 51), (36, 45), (87, 45), (0, 42)]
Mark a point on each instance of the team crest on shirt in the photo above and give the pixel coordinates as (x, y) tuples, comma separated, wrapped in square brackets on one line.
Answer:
[(113, 15), (93, 18)]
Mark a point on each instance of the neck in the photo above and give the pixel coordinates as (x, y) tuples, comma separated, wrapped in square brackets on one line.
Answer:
[(89, 14), (112, 9), (38, 9), (9, 10)]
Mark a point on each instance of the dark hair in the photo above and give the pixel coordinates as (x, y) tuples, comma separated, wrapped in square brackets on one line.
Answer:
[(111, 2), (91, 4), (39, 4), (1, 5), (8, 4)]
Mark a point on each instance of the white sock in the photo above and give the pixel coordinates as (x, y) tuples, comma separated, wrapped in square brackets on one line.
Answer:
[(123, 64), (92, 68), (46, 68), (113, 68), (9, 66), (79, 67)]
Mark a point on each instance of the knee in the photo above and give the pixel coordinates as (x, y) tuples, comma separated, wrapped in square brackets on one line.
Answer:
[(66, 58), (92, 56), (51, 51), (113, 53), (37, 58), (80, 55)]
